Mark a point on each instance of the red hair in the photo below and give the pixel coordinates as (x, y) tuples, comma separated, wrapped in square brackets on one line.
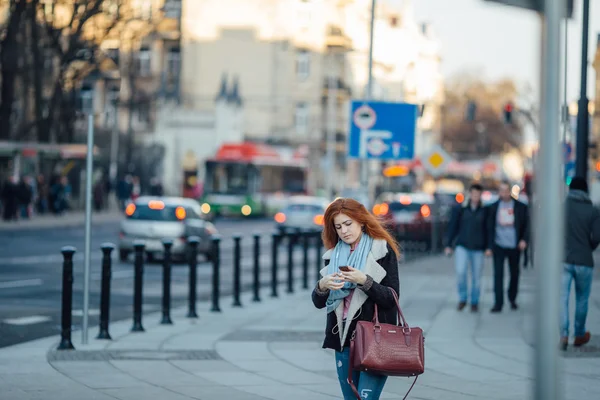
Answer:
[(358, 213)]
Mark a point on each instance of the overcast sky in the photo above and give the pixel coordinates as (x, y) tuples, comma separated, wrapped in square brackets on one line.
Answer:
[(501, 41)]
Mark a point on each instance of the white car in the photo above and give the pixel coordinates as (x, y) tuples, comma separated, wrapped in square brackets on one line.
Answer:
[(153, 219), (302, 212)]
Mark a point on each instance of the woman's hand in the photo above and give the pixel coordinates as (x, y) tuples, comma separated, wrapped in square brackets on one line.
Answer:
[(354, 276), (331, 282)]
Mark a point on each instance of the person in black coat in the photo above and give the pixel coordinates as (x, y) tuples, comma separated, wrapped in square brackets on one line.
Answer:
[(509, 228), (355, 240)]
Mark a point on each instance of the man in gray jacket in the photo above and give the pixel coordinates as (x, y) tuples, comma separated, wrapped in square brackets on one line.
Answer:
[(582, 235)]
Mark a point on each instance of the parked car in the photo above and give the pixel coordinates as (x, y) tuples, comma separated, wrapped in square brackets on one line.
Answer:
[(407, 215), (301, 212), (153, 219)]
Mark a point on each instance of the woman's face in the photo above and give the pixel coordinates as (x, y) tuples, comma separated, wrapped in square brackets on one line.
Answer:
[(347, 229)]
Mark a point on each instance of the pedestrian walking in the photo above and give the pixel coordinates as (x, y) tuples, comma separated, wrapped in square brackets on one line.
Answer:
[(509, 227), (361, 265), (582, 234), (468, 230)]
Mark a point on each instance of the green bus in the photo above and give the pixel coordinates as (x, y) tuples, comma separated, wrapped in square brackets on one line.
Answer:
[(252, 180)]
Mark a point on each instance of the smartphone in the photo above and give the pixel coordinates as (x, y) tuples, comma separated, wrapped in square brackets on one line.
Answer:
[(345, 269)]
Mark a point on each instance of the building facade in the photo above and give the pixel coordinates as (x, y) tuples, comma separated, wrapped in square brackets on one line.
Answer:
[(287, 54)]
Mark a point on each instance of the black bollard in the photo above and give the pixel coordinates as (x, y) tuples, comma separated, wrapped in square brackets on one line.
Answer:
[(67, 298), (107, 249), (274, 253), (193, 242), (292, 237), (237, 269), (318, 261), (305, 238), (215, 273), (256, 280), (139, 247), (166, 299)]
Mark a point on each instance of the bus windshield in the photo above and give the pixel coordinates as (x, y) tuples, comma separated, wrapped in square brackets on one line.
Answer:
[(227, 178), (247, 178)]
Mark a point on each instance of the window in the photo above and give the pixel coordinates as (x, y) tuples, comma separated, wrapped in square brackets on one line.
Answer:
[(143, 113), (302, 65), (143, 212), (111, 100), (302, 119), (173, 63), (144, 61), (227, 178)]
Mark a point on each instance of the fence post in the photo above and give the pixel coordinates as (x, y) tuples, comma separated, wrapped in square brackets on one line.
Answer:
[(107, 249), (292, 237), (166, 300), (139, 247), (237, 270), (305, 238), (216, 259), (274, 256), (318, 261), (256, 271), (193, 242), (67, 299)]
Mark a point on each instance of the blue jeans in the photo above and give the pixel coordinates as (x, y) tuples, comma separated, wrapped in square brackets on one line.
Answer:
[(583, 284), (462, 259), (369, 385)]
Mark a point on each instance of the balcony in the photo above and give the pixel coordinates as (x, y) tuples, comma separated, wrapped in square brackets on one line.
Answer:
[(336, 40)]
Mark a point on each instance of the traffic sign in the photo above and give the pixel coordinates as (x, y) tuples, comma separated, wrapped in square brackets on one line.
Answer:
[(382, 130), (436, 160)]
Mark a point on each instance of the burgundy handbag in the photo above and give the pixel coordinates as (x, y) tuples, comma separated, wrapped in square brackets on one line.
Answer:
[(386, 349)]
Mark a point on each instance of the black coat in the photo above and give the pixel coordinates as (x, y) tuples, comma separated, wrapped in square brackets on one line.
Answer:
[(522, 225), (582, 229), (469, 228), (386, 272)]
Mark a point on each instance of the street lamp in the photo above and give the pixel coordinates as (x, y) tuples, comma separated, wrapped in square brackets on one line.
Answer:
[(87, 93)]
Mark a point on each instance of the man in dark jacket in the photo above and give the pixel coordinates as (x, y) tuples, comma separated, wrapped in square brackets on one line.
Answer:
[(582, 234), (468, 228), (509, 230)]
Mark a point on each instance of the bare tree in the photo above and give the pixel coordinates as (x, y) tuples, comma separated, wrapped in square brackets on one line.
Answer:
[(10, 51), (487, 133)]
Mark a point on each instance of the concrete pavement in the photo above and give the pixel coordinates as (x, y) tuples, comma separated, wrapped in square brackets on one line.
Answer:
[(271, 350)]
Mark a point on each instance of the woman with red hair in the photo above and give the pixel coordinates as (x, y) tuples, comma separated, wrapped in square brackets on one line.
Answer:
[(361, 266)]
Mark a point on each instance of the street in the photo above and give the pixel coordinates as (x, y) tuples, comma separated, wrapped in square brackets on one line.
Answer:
[(31, 276)]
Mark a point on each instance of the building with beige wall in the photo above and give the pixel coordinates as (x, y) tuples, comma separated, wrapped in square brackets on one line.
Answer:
[(282, 53)]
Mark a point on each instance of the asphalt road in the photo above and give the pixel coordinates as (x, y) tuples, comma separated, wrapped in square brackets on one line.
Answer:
[(31, 276)]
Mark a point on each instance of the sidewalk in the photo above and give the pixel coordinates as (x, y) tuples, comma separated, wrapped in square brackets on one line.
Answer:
[(68, 219), (271, 350)]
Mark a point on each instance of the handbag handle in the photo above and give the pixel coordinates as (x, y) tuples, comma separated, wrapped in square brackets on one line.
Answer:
[(401, 318)]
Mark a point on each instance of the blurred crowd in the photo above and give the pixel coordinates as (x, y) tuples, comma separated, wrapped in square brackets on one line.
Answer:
[(22, 198), (25, 197)]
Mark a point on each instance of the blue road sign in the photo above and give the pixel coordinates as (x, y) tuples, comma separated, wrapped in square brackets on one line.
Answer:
[(381, 130)]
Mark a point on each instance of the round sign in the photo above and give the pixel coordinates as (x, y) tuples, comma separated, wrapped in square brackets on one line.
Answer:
[(364, 117), (376, 147)]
